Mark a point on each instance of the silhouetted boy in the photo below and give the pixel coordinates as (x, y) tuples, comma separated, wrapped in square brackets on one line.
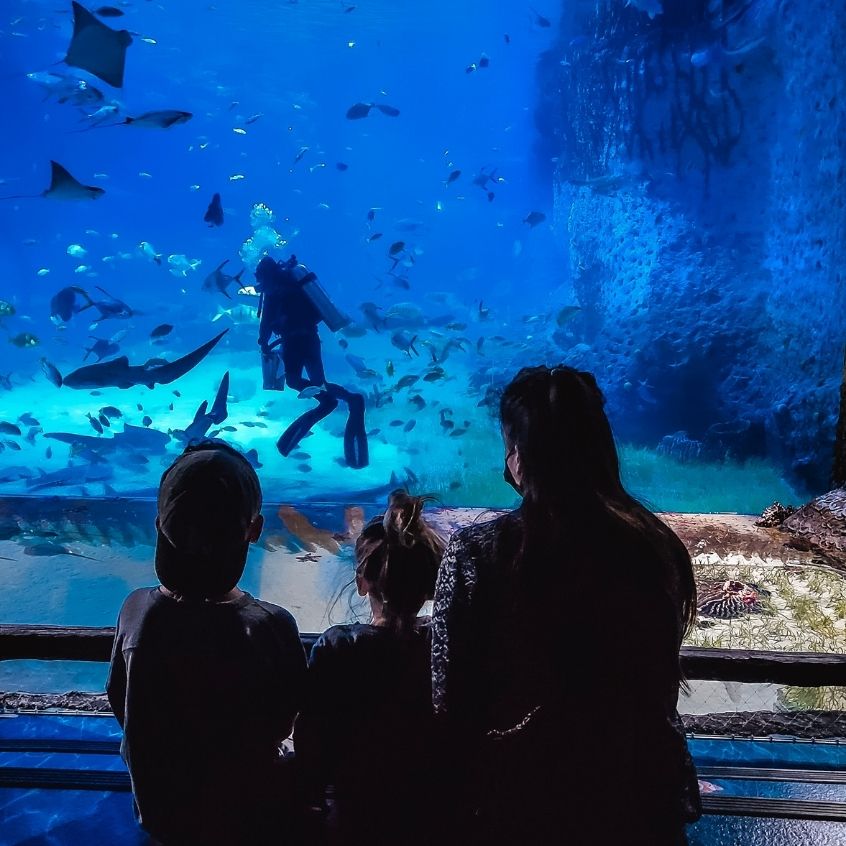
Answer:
[(206, 680)]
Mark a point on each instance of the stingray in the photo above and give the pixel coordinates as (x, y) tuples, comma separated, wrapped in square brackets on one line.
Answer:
[(97, 48), (119, 373), (63, 186)]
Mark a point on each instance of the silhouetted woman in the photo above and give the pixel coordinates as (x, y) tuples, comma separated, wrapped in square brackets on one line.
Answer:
[(366, 726), (556, 635)]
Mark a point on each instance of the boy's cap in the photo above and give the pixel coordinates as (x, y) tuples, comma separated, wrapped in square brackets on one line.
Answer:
[(207, 499)]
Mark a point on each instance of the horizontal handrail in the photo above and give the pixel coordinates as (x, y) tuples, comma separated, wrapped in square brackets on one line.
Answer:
[(802, 669)]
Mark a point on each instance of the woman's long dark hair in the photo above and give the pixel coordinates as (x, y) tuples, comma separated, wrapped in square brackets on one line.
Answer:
[(571, 484)]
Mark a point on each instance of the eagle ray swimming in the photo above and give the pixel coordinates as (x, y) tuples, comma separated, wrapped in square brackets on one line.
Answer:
[(119, 373), (63, 186), (97, 48)]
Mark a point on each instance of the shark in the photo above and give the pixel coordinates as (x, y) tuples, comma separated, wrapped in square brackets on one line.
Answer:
[(119, 373), (203, 418)]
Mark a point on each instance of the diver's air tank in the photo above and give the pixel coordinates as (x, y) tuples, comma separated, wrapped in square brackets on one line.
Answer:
[(332, 317)]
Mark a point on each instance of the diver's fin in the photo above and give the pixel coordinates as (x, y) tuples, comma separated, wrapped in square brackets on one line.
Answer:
[(219, 412), (356, 450), (292, 436)]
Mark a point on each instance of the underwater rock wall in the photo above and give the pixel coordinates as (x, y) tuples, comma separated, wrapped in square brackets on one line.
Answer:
[(700, 189)]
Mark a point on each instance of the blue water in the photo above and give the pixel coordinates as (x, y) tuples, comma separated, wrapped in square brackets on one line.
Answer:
[(481, 289)]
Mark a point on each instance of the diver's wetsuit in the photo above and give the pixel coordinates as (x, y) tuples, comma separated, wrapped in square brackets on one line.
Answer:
[(288, 312)]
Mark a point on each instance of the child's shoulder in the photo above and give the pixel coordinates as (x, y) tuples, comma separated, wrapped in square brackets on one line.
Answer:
[(263, 608)]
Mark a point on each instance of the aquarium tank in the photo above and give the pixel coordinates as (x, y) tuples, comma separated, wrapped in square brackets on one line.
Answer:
[(651, 190)]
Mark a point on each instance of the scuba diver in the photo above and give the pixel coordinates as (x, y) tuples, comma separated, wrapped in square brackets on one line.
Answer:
[(291, 306)]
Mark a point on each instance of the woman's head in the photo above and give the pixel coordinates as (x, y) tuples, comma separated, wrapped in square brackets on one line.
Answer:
[(559, 445), (397, 559), (561, 457)]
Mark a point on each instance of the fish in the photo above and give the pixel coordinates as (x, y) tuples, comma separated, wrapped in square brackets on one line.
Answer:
[(214, 213), (162, 330), (9, 428), (418, 402), (146, 420), (24, 339), (362, 110), (238, 314), (181, 265), (304, 468), (51, 372), (67, 302), (160, 119), (111, 308), (406, 382), (452, 177), (409, 426), (104, 421), (63, 186), (96, 425), (311, 392), (342, 166), (76, 250), (68, 89), (203, 418), (534, 218), (484, 177), (254, 118), (28, 420), (566, 314), (108, 12), (149, 251), (111, 412), (119, 373), (6, 309), (309, 536), (396, 247), (48, 548), (434, 374), (101, 347), (404, 340), (218, 281), (545, 23), (706, 787), (360, 366), (374, 237), (97, 48)]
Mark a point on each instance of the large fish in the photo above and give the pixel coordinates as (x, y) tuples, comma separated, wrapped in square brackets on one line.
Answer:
[(119, 373)]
